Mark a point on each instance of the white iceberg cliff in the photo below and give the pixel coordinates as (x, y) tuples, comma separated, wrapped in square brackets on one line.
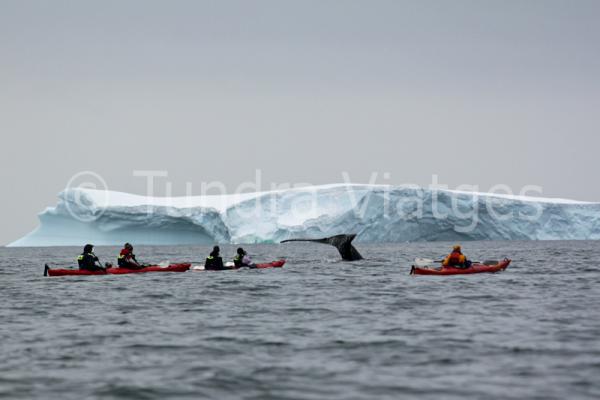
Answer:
[(376, 213)]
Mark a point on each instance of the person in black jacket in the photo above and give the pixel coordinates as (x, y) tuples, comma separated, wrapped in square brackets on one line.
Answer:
[(87, 260), (214, 261)]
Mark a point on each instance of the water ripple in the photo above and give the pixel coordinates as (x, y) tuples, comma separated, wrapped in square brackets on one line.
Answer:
[(317, 328)]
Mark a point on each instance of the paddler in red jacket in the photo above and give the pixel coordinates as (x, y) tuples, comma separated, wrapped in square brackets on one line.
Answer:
[(127, 259), (456, 259)]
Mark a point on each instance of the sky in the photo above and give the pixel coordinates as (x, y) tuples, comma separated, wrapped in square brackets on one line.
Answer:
[(476, 92)]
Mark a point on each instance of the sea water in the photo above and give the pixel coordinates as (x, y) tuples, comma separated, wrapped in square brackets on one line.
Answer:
[(318, 328)]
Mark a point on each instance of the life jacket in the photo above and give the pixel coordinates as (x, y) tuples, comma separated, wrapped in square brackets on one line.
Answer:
[(86, 260), (210, 262), (125, 254), (124, 257), (81, 257), (237, 260), (455, 258), (213, 262)]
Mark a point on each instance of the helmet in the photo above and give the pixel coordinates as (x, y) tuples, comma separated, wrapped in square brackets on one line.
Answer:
[(88, 248), (457, 248), (128, 246), (241, 251)]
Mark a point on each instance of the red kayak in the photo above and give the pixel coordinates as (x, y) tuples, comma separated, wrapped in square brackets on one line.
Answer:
[(273, 264), (473, 269), (116, 270)]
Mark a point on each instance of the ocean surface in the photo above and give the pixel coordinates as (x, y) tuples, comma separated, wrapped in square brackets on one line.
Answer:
[(319, 328)]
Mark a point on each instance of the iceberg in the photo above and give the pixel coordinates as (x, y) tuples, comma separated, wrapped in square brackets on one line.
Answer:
[(376, 213)]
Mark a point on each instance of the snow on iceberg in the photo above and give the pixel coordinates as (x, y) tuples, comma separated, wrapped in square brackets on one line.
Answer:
[(376, 213)]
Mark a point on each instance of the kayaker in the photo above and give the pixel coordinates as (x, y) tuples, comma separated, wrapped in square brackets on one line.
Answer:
[(456, 259), (127, 259), (214, 261), (87, 260), (242, 259)]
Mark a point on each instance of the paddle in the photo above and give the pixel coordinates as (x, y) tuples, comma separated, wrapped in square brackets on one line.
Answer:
[(423, 262), (199, 266), (99, 265)]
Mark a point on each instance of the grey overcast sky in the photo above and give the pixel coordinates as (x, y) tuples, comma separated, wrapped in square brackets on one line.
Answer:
[(478, 92)]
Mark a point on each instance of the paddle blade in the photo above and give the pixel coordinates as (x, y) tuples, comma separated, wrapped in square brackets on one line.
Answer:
[(423, 262)]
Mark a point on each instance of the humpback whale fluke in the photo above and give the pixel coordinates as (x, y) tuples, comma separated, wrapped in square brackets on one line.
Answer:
[(342, 242)]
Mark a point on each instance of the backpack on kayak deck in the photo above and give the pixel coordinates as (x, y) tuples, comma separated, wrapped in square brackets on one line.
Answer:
[(467, 264)]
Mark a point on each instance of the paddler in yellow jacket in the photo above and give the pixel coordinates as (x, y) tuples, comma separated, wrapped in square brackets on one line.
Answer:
[(456, 259)]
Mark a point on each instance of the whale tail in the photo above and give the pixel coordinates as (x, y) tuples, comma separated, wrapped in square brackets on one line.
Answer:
[(342, 242)]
